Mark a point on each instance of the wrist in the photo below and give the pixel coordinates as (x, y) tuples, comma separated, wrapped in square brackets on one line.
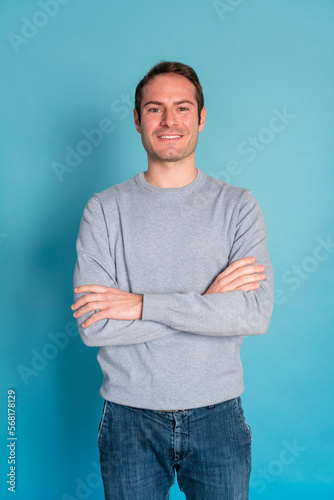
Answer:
[(140, 306)]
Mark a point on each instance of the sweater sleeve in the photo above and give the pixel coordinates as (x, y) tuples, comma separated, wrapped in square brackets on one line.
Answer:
[(226, 313), (95, 265)]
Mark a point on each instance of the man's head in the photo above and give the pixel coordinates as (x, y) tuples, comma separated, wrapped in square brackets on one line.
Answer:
[(170, 67), (169, 112)]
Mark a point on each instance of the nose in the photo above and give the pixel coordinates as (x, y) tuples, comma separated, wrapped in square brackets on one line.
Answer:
[(168, 118)]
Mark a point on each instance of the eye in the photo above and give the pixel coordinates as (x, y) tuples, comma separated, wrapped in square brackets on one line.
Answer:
[(154, 110), (183, 109)]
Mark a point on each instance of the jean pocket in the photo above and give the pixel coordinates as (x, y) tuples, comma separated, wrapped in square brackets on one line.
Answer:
[(241, 416), (99, 433)]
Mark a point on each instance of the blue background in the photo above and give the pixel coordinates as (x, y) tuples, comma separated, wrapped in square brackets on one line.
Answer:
[(78, 63)]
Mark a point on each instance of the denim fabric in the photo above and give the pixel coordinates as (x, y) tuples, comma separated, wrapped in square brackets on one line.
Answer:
[(208, 448)]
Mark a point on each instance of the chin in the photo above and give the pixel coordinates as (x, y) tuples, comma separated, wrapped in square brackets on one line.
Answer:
[(169, 158)]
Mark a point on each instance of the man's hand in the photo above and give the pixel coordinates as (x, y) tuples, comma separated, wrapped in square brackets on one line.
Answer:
[(110, 303), (240, 275)]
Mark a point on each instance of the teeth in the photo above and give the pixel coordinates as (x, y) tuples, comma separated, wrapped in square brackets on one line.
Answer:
[(169, 136)]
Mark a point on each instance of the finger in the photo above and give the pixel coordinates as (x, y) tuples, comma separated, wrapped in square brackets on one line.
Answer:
[(245, 280), (90, 289), (246, 270), (248, 287), (92, 306), (242, 281), (246, 261), (244, 275), (93, 319), (90, 297)]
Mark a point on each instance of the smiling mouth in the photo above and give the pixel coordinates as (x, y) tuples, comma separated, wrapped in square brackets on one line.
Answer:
[(169, 137)]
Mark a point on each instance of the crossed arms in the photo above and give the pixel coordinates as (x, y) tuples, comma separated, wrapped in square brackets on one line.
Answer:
[(238, 302), (112, 303)]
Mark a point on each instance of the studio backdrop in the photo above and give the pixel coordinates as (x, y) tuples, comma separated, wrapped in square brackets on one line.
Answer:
[(68, 73)]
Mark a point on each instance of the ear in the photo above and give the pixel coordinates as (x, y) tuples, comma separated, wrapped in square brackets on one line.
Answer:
[(136, 119), (202, 121)]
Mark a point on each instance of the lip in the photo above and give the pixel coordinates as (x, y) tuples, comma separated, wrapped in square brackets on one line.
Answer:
[(164, 139)]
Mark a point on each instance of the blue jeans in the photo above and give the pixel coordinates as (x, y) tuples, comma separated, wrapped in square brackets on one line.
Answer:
[(209, 448)]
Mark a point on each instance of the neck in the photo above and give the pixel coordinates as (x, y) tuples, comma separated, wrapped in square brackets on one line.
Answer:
[(170, 174)]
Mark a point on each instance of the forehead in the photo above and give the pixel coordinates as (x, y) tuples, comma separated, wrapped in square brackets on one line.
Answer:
[(169, 87)]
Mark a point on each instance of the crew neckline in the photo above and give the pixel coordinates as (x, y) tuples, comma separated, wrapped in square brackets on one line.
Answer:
[(183, 189)]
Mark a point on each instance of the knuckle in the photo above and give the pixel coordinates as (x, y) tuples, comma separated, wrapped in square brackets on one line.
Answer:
[(109, 312)]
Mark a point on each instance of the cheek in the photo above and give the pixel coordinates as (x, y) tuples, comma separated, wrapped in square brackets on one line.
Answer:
[(191, 124), (150, 126), (145, 132)]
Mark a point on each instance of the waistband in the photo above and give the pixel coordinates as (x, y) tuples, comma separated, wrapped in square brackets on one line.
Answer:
[(170, 411)]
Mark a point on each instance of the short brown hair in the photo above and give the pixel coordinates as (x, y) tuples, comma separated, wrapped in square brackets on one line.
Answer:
[(171, 67)]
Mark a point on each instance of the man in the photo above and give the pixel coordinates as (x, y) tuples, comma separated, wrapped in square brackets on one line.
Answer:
[(169, 278)]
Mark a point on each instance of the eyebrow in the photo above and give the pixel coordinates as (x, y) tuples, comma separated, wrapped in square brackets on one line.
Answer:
[(161, 103)]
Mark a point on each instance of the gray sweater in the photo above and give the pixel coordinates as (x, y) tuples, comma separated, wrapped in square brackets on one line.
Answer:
[(169, 244)]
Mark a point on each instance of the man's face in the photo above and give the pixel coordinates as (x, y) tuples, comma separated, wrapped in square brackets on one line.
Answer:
[(169, 118)]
